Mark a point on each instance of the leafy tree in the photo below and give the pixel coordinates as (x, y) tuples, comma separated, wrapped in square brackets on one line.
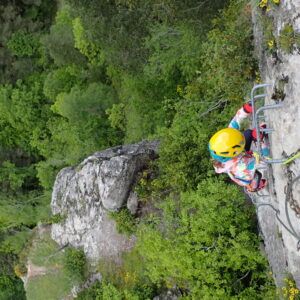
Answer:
[(12, 178), (78, 105), (22, 108), (11, 288), (60, 41), (174, 52), (61, 80), (117, 116), (86, 46), (86, 122), (21, 23), (47, 171), (23, 44), (230, 40), (111, 24)]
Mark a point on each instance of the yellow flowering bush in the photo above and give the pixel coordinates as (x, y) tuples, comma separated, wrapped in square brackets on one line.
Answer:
[(130, 278), (266, 4), (290, 291), (271, 44), (257, 77), (179, 90)]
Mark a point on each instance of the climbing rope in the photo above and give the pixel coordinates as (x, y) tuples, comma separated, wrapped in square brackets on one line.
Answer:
[(292, 158)]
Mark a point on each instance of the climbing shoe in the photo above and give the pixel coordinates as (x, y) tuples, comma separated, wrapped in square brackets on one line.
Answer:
[(262, 184)]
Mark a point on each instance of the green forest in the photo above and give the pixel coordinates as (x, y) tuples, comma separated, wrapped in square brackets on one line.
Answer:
[(80, 76)]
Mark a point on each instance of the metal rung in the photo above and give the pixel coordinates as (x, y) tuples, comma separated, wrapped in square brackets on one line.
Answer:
[(262, 168), (260, 195), (257, 87), (266, 107), (266, 130), (260, 96), (275, 161), (257, 117)]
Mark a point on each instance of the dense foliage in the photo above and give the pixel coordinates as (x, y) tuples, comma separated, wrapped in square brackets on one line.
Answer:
[(75, 264), (82, 76), (208, 247)]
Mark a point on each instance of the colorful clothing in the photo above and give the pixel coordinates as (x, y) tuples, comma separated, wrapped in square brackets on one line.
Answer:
[(239, 117), (242, 168)]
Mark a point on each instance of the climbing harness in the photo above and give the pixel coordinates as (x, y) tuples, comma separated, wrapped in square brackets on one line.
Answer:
[(285, 161)]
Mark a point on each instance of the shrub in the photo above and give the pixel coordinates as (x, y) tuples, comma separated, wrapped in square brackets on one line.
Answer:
[(288, 38), (93, 292), (290, 290), (54, 219), (20, 270), (269, 41), (125, 221), (75, 264)]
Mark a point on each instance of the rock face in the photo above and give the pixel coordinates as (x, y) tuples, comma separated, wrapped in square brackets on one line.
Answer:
[(86, 193), (281, 245)]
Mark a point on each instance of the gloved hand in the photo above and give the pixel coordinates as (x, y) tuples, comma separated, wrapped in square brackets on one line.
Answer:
[(262, 134), (248, 107), (217, 164)]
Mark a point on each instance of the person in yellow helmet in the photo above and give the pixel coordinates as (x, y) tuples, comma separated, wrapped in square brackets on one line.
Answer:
[(230, 151)]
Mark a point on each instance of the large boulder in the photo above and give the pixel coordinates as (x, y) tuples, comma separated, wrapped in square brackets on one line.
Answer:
[(85, 194)]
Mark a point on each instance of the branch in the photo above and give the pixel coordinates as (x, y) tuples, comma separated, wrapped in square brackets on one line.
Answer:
[(213, 107)]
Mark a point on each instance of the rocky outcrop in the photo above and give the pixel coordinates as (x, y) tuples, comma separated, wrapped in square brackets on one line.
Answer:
[(85, 194), (282, 71)]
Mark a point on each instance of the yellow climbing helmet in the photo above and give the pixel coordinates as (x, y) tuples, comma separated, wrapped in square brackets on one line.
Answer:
[(227, 142)]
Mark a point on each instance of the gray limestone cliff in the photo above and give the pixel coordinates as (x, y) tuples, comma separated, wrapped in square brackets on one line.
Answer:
[(282, 70), (85, 195)]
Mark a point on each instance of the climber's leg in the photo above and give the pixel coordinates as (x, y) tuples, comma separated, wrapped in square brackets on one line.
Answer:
[(264, 143), (249, 139)]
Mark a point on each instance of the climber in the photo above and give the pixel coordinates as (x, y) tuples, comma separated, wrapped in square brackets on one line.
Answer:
[(230, 151)]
